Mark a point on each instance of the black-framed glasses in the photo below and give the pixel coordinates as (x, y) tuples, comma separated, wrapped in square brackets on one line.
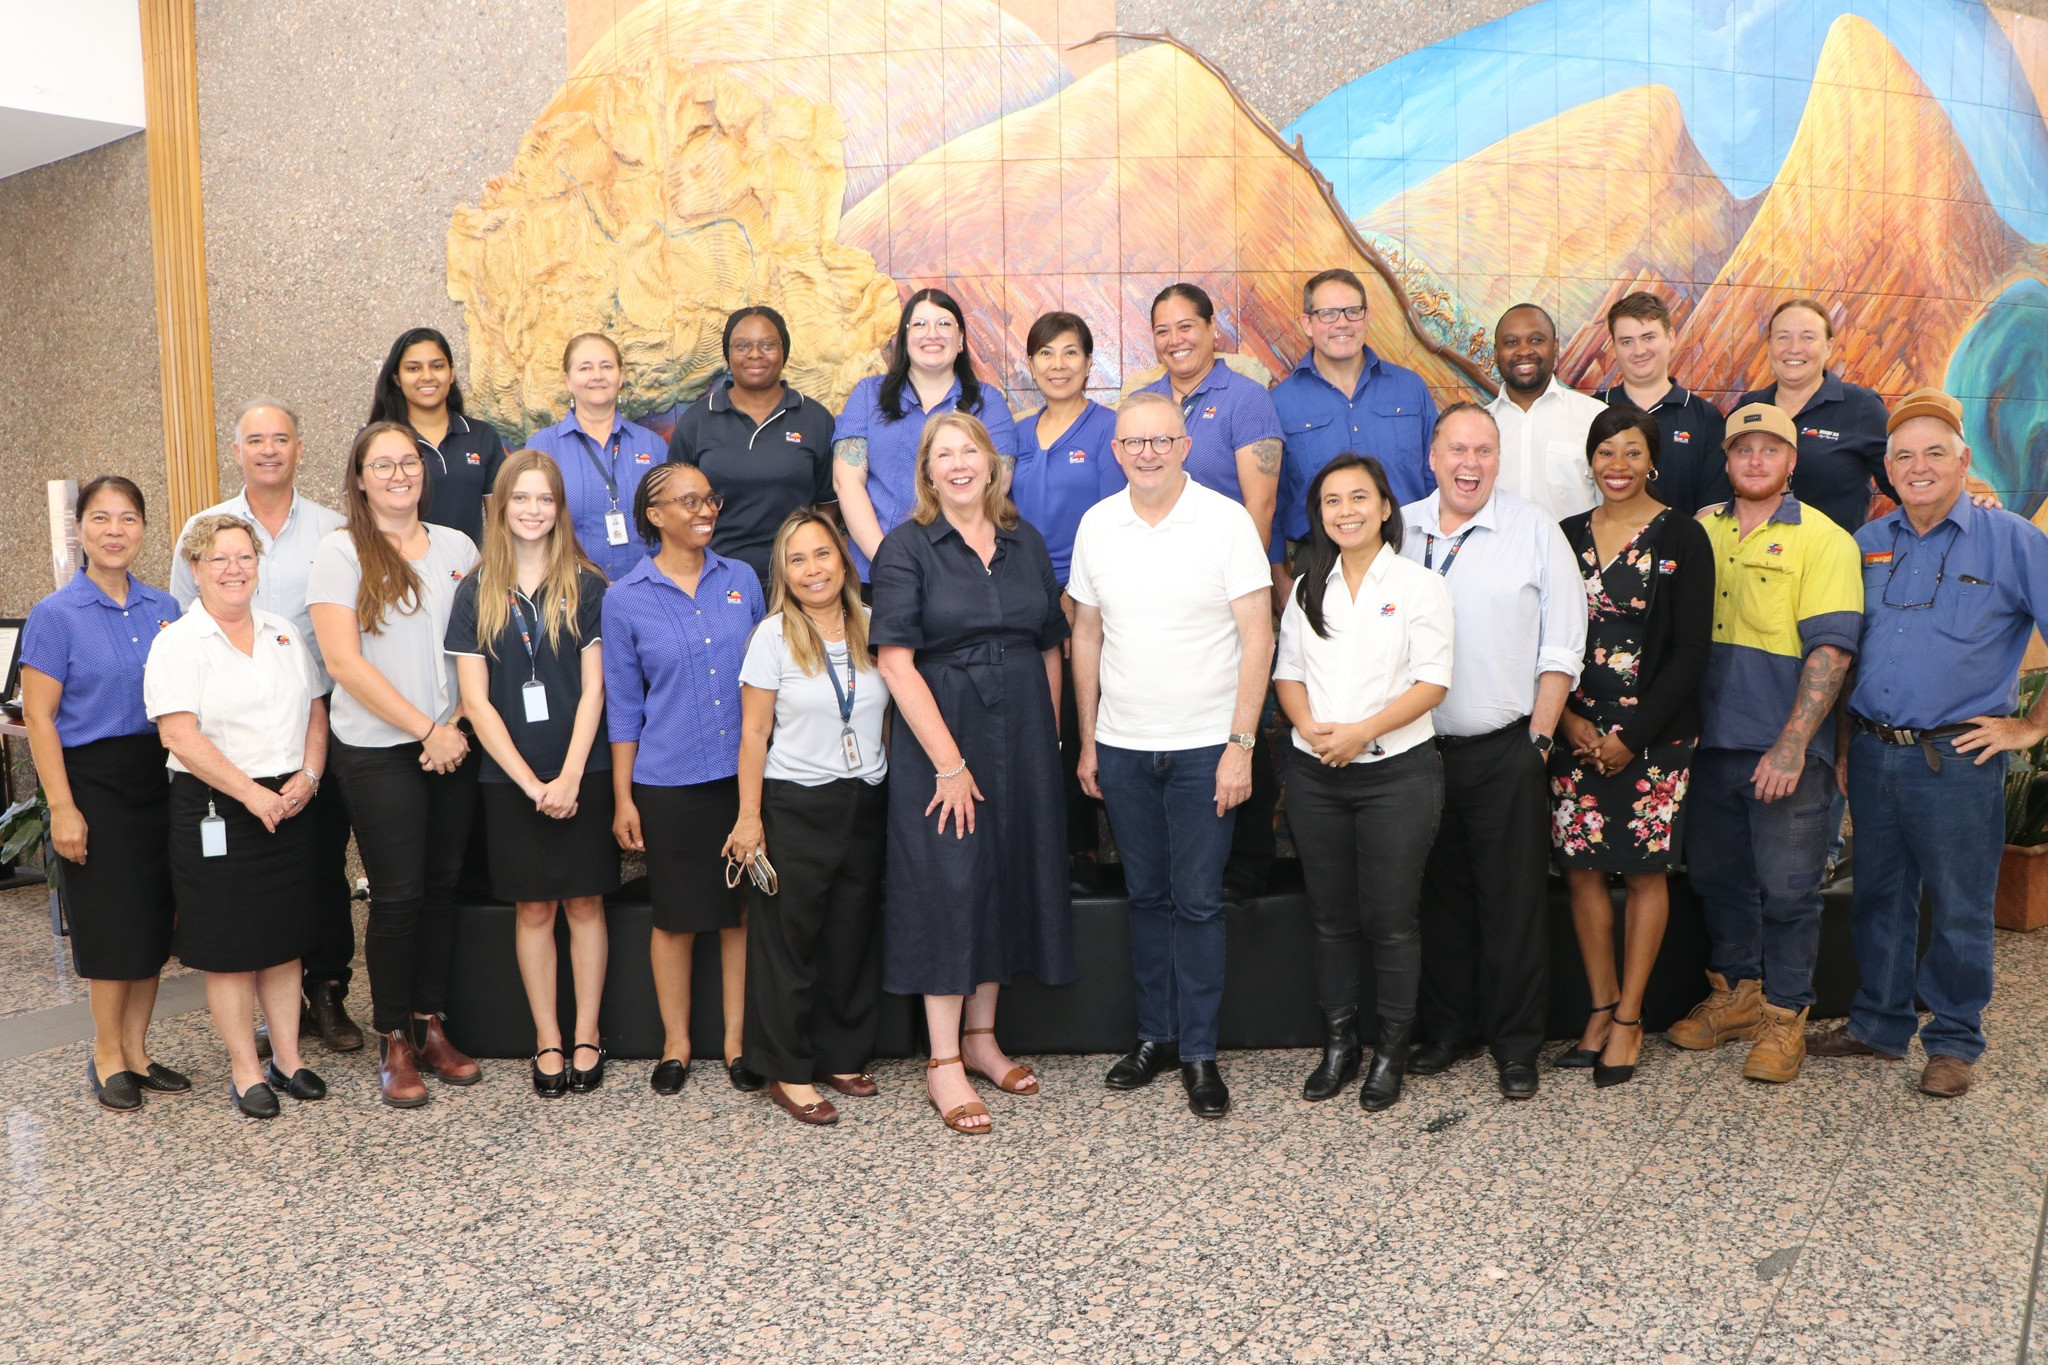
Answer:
[(1134, 446), (1326, 316), (412, 466), (1940, 572), (691, 502)]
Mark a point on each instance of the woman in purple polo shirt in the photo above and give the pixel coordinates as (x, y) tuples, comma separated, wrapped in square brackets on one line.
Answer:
[(874, 446), (602, 456)]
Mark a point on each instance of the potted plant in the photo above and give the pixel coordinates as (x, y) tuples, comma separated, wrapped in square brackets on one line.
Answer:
[(2023, 870)]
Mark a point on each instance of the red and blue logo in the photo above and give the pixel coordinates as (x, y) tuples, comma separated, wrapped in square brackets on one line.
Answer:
[(475, 458), (1386, 609), (1683, 438), (1667, 566), (1208, 413), (1774, 548), (793, 437), (734, 597), (1077, 457), (643, 458), (284, 639)]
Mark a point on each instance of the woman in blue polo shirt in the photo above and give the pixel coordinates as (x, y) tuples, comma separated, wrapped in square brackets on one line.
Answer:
[(417, 386), (675, 634), (102, 769), (603, 457), (1841, 425), (874, 446)]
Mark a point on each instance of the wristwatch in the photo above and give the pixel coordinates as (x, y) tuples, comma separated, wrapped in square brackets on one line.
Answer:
[(1543, 744), (1245, 742)]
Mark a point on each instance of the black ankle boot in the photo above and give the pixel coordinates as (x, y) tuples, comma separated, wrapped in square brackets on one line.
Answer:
[(1340, 1055), (1389, 1063)]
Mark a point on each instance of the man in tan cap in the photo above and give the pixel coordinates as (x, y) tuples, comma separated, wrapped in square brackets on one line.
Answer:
[(1952, 591), (1788, 608)]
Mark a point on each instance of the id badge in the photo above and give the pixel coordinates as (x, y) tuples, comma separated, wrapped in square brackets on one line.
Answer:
[(213, 836), (615, 527), (849, 746), (534, 695)]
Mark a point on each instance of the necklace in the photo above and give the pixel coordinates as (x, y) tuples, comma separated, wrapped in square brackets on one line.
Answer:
[(833, 631)]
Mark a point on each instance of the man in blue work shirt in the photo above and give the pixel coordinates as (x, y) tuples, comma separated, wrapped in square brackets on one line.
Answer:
[(1952, 591)]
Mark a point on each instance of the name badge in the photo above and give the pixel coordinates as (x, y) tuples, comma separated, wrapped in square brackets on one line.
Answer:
[(615, 527), (534, 696), (213, 835), (849, 748)]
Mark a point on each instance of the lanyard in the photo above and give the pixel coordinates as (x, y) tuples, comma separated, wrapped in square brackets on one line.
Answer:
[(1457, 543), (845, 694), (611, 475), (525, 634)]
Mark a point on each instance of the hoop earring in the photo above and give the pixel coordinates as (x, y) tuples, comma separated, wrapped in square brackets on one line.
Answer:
[(1653, 475)]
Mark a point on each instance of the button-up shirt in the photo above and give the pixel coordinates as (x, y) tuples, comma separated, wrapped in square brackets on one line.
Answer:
[(601, 477), (254, 707), (1543, 451), (96, 648), (1841, 448), (1395, 633), (1692, 469), (673, 658), (766, 470), (1055, 484), (461, 471), (1985, 570), (892, 445), (1226, 412), (282, 571), (1519, 606), (1389, 416)]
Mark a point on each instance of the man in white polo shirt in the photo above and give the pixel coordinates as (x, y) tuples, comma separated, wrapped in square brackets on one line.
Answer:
[(1173, 641)]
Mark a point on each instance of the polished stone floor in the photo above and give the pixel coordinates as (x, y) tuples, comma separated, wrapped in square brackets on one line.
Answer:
[(1689, 1217)]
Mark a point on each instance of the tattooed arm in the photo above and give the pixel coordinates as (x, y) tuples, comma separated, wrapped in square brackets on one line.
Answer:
[(1820, 683), (1258, 478), (850, 482)]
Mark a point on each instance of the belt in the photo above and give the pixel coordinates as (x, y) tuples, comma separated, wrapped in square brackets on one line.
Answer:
[(982, 663), (1902, 738), (1460, 741)]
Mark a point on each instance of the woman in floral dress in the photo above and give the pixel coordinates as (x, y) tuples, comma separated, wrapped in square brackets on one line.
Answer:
[(1618, 773)]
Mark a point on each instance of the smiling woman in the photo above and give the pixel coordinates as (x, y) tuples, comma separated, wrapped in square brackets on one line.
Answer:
[(417, 386)]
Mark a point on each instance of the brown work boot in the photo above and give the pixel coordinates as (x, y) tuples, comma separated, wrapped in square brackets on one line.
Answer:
[(1839, 1042), (1947, 1078), (442, 1057), (398, 1077), (1780, 1046), (1725, 1015)]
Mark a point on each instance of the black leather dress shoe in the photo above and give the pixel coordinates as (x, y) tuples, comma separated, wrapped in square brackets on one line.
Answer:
[(1518, 1080), (118, 1091), (669, 1076), (326, 1018), (1138, 1066), (303, 1084), (162, 1079), (1208, 1096), (259, 1101), (743, 1080), (583, 1080), (1435, 1058)]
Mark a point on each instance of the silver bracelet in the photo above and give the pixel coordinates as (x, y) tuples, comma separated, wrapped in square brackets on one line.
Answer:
[(956, 772)]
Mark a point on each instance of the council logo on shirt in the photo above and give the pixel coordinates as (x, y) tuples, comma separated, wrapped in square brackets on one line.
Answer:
[(475, 458), (1820, 433), (1077, 457), (1207, 413), (795, 438), (734, 597), (643, 458), (1683, 438), (1386, 609)]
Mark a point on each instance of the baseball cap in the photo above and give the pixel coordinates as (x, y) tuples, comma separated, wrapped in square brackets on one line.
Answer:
[(1929, 402), (1760, 417)]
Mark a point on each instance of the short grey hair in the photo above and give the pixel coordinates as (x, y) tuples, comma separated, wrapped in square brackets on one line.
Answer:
[(1144, 398), (203, 531), (264, 402)]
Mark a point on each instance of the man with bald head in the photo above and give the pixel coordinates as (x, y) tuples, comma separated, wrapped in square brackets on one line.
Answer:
[(1543, 423), (1951, 592), (267, 450)]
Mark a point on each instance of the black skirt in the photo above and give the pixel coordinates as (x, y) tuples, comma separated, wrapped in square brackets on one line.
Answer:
[(536, 857), (252, 908), (119, 899), (685, 829)]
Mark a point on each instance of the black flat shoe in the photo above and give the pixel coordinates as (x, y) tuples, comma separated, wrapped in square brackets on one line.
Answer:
[(1433, 1059), (1518, 1080), (553, 1086), (743, 1080), (303, 1084), (1579, 1058), (583, 1080), (163, 1080), (1208, 1096), (118, 1091), (669, 1076), (1138, 1066), (1605, 1076), (259, 1101)]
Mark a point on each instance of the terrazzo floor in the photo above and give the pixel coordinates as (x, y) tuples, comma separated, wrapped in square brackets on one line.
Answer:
[(1689, 1217)]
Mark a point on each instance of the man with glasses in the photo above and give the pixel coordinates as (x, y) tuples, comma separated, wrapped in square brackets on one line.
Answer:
[(1952, 591), (1788, 612), (267, 449)]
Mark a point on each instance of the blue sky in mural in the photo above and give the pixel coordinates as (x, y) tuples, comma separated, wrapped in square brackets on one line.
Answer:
[(1741, 70)]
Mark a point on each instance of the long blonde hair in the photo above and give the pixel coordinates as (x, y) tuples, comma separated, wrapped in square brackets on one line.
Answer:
[(799, 633), (994, 501), (497, 567)]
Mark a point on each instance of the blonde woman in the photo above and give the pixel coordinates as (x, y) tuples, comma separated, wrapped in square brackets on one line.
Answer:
[(524, 634)]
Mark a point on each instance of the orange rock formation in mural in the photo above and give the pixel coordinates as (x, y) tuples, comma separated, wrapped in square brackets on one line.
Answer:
[(647, 204)]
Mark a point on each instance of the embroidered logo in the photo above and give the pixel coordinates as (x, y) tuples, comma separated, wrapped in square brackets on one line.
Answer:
[(284, 639), (1077, 457), (643, 458), (1871, 557), (1667, 566), (1820, 433), (1774, 548), (1208, 413), (455, 575), (163, 625), (1386, 609), (793, 437), (734, 597), (475, 458), (1683, 438)]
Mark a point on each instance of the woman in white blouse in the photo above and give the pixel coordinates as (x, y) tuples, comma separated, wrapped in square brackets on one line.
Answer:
[(231, 690), (1365, 655)]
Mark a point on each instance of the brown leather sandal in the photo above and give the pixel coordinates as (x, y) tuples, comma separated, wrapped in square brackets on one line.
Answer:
[(952, 1117), (1020, 1080)]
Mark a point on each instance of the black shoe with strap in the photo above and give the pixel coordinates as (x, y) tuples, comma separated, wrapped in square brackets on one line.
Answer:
[(1605, 1075), (1579, 1058), (583, 1080), (552, 1084)]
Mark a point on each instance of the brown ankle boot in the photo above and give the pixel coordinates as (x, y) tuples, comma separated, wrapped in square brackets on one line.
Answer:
[(397, 1075), (440, 1056), (1780, 1047), (1726, 1014)]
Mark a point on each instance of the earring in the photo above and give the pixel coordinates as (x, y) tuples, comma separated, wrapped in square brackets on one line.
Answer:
[(1653, 474)]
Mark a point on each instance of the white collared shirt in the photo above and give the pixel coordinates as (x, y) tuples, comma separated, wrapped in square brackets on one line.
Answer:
[(252, 706), (1519, 604), (1170, 648), (1395, 633), (1543, 451), (281, 573)]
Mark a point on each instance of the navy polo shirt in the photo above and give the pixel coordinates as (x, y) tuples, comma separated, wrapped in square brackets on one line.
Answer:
[(594, 475), (1225, 413), (557, 667), (672, 669), (461, 472), (1055, 484), (1389, 416), (97, 648), (1692, 469), (765, 471), (1841, 448)]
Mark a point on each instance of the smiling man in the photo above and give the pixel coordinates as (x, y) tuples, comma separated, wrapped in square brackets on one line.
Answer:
[(1542, 422), (1692, 471)]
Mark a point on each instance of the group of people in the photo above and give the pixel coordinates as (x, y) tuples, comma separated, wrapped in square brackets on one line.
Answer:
[(857, 687)]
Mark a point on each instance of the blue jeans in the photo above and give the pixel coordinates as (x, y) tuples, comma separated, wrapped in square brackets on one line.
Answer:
[(1756, 868), (1162, 809), (1938, 831)]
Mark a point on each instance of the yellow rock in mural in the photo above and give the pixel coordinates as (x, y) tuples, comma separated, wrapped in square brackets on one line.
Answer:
[(647, 204)]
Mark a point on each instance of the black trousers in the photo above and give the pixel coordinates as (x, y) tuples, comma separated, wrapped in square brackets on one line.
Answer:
[(814, 960), (332, 943), (1485, 946), (1084, 812), (1253, 845), (1363, 832), (412, 828)]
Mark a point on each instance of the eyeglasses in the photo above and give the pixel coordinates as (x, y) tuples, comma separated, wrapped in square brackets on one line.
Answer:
[(691, 502), (411, 466), (1940, 572), (757, 348), (1355, 313), (936, 326), (1135, 446), (222, 563)]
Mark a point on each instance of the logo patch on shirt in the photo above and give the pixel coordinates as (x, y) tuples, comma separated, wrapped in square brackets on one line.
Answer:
[(1683, 438), (1207, 413), (1871, 557), (643, 458), (1667, 566), (284, 639), (1386, 608), (455, 575), (734, 597), (1774, 548), (475, 458), (793, 437), (163, 625), (1077, 457), (1820, 433)]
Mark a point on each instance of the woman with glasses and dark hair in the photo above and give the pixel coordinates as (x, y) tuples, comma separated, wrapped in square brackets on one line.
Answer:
[(602, 456), (1364, 657), (1624, 747), (762, 444), (380, 594), (416, 385), (675, 634), (874, 445)]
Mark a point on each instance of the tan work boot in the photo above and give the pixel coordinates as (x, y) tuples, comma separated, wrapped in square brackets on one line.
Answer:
[(1780, 1047), (1725, 1015)]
